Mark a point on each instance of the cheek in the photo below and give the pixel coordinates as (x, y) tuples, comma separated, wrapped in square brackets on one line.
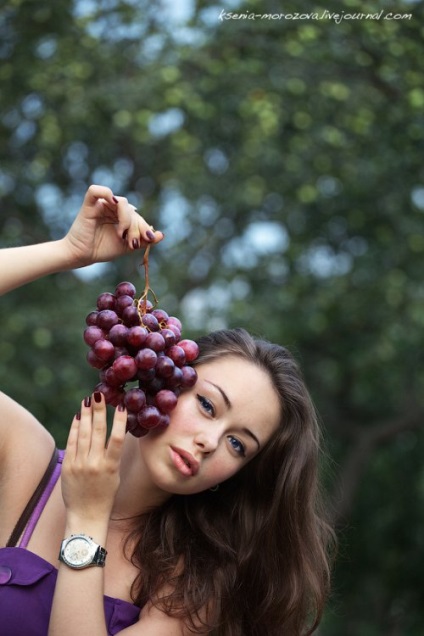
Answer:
[(183, 416), (220, 468)]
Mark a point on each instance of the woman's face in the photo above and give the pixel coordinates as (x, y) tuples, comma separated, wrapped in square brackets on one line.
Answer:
[(216, 428)]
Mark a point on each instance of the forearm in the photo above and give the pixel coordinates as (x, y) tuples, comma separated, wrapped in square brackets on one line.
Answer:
[(78, 606), (21, 265)]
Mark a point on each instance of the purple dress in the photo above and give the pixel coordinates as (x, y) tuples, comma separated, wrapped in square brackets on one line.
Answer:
[(27, 581)]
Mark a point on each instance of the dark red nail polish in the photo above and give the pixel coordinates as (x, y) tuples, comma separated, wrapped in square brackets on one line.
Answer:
[(115, 200), (121, 407), (124, 234), (97, 396), (135, 244), (78, 415), (87, 401), (150, 235)]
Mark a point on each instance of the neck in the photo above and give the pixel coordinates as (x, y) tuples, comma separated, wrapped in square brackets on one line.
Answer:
[(136, 493)]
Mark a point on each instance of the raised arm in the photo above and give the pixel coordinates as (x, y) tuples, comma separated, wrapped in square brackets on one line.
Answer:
[(106, 227), (90, 480)]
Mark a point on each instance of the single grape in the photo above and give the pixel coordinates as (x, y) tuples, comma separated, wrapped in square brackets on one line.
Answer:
[(113, 395), (106, 301), (161, 316), (135, 400), (104, 349), (149, 321), (122, 302), (94, 361), (155, 341), (125, 289), (191, 349), (134, 427), (173, 320), (107, 318), (175, 330), (176, 353), (92, 334), (149, 417), (169, 336), (164, 367), (166, 400), (164, 421), (109, 376), (175, 380), (146, 359), (120, 351), (91, 319), (130, 316), (118, 335), (136, 336), (189, 378), (125, 368), (155, 385)]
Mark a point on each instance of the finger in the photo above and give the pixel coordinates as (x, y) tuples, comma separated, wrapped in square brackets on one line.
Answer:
[(141, 234), (133, 228), (85, 428), (99, 424), (96, 192), (117, 434), (72, 442)]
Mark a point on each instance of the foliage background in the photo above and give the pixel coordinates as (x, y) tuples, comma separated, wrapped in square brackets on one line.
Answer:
[(283, 160)]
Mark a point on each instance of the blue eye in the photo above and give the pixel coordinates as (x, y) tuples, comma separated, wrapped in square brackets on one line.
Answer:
[(206, 405), (237, 445)]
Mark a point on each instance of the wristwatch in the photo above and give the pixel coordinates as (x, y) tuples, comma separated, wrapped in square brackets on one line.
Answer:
[(80, 551)]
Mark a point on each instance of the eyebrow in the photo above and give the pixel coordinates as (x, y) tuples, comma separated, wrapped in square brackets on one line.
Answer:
[(224, 395), (229, 406)]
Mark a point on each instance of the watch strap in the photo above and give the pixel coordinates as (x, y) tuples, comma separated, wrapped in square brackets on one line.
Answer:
[(100, 557)]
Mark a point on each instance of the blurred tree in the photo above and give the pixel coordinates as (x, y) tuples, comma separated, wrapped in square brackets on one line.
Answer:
[(283, 160)]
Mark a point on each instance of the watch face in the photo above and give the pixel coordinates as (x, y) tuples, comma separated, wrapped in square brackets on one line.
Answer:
[(79, 552)]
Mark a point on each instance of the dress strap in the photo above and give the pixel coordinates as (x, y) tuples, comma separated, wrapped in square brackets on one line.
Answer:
[(28, 519)]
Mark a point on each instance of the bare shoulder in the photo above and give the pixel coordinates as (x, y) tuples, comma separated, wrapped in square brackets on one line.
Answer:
[(19, 430), (155, 621), (25, 449)]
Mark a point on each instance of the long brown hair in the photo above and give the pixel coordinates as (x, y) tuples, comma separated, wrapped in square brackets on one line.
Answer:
[(252, 558)]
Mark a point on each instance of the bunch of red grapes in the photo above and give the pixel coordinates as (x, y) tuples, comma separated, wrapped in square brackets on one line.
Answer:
[(132, 342)]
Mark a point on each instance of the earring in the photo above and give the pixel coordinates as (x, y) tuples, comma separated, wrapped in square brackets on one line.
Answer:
[(214, 488)]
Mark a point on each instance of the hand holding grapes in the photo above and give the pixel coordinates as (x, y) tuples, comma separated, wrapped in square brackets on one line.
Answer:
[(90, 475), (106, 227)]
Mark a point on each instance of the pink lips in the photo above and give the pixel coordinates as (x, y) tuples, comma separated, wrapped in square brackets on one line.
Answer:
[(185, 462)]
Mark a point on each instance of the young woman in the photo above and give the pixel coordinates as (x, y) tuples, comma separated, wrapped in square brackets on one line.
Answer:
[(210, 526)]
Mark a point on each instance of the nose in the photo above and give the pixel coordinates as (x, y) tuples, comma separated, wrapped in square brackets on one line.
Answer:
[(207, 441)]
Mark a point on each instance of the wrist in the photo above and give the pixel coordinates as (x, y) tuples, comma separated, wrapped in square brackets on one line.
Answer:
[(58, 257), (95, 529), (71, 258)]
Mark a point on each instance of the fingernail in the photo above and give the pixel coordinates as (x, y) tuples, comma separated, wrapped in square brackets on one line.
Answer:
[(115, 200), (124, 234), (87, 401), (121, 407), (97, 396), (135, 244), (150, 235), (78, 415)]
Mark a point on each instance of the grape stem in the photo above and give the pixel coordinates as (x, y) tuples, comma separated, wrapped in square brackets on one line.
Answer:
[(142, 302)]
